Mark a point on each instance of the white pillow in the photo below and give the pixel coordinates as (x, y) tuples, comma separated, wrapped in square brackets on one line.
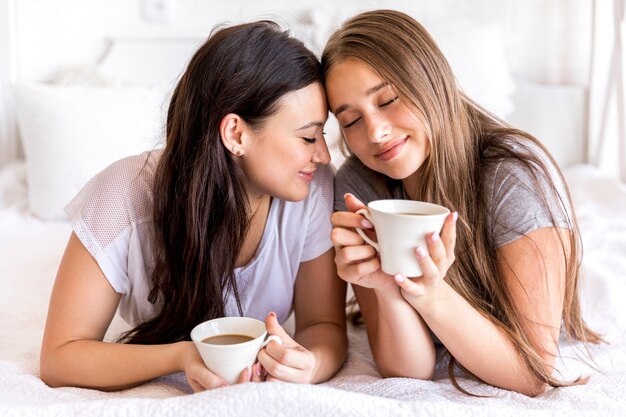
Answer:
[(477, 54), (70, 133)]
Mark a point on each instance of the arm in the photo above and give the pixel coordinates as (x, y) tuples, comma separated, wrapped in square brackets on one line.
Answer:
[(394, 328), (82, 306), (533, 270), (320, 344)]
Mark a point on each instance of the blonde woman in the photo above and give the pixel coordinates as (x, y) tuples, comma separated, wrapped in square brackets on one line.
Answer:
[(502, 278)]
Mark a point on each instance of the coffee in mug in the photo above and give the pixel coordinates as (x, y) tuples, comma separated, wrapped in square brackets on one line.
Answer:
[(228, 345), (227, 339)]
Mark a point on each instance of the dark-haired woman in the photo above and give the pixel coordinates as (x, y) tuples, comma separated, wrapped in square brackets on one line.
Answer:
[(232, 217)]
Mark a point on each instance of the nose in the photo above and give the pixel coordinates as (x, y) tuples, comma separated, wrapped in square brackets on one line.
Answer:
[(378, 127), (321, 154)]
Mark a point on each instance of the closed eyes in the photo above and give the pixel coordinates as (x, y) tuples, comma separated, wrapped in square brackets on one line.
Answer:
[(386, 103)]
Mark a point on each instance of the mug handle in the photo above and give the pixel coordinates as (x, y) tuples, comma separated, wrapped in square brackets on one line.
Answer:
[(365, 212), (270, 338)]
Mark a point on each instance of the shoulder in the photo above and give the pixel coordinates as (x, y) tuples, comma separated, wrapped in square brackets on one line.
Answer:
[(523, 192), (528, 167), (324, 178), (364, 183), (121, 193), (351, 169)]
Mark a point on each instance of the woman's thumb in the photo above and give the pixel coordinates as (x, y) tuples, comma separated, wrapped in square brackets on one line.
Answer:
[(352, 203), (273, 327)]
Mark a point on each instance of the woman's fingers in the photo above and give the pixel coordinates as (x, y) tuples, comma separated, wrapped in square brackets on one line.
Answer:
[(280, 354), (430, 270), (441, 247), (245, 375), (285, 364), (351, 254), (408, 286), (345, 237), (355, 272), (436, 250), (203, 379), (353, 203), (351, 220), (256, 373), (448, 235)]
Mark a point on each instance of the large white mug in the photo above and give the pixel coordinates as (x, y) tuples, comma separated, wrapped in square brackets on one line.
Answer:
[(229, 360), (401, 226)]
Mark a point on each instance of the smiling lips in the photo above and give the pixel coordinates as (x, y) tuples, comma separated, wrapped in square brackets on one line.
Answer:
[(307, 175), (392, 149)]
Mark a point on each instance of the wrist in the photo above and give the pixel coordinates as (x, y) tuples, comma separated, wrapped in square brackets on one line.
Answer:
[(182, 350), (388, 294), (428, 304)]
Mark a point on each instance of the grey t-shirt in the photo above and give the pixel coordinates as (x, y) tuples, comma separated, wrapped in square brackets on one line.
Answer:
[(512, 192)]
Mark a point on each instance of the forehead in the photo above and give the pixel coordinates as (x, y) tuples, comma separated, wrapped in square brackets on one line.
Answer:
[(308, 102), (351, 78)]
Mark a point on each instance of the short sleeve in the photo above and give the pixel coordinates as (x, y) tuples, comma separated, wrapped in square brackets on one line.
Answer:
[(365, 184), (104, 213), (320, 208), (521, 199)]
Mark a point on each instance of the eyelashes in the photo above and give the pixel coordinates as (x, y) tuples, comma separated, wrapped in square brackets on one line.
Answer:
[(312, 140), (385, 104)]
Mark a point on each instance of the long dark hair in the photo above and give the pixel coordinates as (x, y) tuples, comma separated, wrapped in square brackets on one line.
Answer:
[(200, 203), (464, 138)]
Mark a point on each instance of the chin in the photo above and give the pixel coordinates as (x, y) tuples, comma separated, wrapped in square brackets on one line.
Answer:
[(293, 195)]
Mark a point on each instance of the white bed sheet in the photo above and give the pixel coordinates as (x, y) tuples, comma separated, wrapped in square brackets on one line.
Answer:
[(30, 251)]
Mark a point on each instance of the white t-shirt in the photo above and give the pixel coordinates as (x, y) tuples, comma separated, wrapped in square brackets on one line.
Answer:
[(112, 217)]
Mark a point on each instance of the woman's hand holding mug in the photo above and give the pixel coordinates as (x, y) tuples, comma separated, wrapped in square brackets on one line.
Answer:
[(289, 361), (357, 261), (409, 245)]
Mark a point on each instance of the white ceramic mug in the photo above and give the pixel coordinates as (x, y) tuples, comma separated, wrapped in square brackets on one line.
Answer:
[(228, 361), (401, 227)]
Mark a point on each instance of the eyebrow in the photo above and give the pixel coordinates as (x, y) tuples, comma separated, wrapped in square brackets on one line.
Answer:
[(368, 92), (310, 124)]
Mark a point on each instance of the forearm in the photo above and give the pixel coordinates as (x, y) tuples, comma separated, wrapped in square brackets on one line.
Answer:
[(401, 343), (108, 366), (329, 345), (478, 344)]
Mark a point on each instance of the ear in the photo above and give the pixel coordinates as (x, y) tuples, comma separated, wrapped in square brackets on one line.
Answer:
[(232, 129)]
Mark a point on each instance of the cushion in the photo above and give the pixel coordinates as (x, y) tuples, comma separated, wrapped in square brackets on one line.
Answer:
[(71, 132)]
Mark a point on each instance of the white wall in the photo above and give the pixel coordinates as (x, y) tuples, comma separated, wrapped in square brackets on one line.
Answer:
[(548, 41)]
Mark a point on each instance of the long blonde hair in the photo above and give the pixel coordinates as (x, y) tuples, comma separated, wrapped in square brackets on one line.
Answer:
[(460, 132)]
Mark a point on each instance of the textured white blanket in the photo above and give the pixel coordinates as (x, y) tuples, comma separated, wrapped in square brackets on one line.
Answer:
[(30, 251)]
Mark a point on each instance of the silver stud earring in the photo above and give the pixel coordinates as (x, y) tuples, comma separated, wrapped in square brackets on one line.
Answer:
[(237, 151)]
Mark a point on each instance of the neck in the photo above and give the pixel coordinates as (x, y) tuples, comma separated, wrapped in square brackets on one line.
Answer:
[(410, 185), (257, 204)]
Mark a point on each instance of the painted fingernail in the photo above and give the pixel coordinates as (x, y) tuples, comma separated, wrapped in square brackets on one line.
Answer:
[(435, 237), (421, 252), (399, 278), (455, 216), (258, 369), (366, 224)]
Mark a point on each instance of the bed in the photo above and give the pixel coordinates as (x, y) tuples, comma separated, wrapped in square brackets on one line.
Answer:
[(59, 159), (30, 250)]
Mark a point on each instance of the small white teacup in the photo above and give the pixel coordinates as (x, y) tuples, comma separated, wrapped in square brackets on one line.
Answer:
[(228, 345), (401, 227)]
